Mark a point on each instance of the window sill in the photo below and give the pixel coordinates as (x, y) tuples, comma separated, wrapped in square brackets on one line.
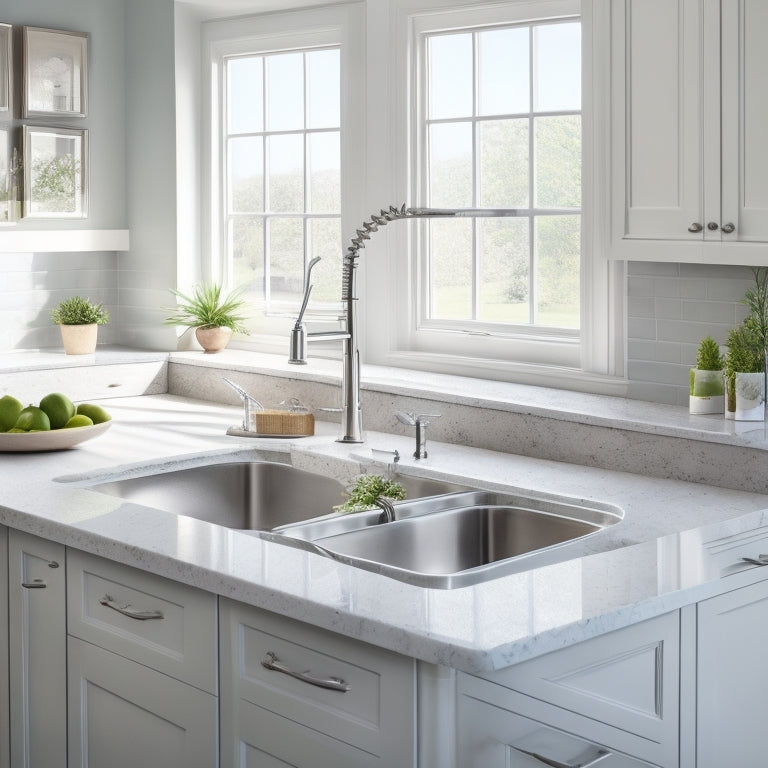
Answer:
[(594, 410)]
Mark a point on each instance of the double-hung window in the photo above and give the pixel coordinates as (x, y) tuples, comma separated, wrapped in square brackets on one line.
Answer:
[(278, 87)]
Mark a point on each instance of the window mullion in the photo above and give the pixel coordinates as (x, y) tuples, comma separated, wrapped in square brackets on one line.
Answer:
[(532, 282)]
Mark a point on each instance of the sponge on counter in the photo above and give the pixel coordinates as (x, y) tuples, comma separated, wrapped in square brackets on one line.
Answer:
[(274, 422)]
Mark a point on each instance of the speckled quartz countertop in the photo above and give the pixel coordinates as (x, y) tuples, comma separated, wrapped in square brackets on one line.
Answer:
[(678, 542)]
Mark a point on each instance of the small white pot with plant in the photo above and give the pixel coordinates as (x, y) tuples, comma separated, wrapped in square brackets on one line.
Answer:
[(214, 318), (707, 385), (79, 320)]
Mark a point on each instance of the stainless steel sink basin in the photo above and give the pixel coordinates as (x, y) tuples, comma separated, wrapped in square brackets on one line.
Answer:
[(254, 495), (479, 536)]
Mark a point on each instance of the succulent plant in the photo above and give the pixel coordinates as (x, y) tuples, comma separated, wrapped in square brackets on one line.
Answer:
[(206, 308)]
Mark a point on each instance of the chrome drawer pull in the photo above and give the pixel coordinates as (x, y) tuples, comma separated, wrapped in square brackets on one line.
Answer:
[(36, 584), (593, 756), (333, 683), (131, 613)]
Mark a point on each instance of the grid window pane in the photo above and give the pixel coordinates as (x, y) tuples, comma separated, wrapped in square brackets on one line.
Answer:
[(285, 255), (503, 158), (245, 94), (323, 89), (246, 174), (450, 76), (504, 270), (324, 160), (285, 92), (503, 71), (283, 179), (286, 173), (324, 237), (558, 247), (246, 238), (557, 67), (490, 146), (450, 162), (558, 161), (451, 295)]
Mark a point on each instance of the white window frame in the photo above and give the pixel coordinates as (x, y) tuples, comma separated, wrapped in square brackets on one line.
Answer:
[(273, 33), (594, 361)]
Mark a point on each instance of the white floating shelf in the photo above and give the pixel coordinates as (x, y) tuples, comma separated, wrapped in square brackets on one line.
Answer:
[(63, 240)]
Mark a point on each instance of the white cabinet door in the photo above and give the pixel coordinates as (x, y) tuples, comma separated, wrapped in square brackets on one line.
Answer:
[(733, 679), (689, 157), (744, 119), (38, 652), (125, 715), (657, 101)]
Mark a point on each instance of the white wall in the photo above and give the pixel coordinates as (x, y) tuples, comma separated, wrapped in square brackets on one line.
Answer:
[(31, 284)]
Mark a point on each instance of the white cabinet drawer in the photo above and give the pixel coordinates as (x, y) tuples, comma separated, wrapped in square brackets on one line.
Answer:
[(372, 713), (627, 679), (493, 737), (157, 622)]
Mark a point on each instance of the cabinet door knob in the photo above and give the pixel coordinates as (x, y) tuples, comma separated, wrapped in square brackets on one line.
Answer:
[(712, 226), (695, 227), (728, 228)]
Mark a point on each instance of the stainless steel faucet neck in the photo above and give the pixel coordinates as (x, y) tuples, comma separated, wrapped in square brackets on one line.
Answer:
[(352, 420)]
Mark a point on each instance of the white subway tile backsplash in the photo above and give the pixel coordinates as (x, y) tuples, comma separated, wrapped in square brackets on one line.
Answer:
[(710, 304)]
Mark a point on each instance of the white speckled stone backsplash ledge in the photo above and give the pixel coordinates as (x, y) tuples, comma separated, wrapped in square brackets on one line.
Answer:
[(674, 450)]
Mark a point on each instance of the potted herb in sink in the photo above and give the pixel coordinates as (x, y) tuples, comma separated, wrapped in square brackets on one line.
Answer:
[(79, 320), (707, 386), (214, 318)]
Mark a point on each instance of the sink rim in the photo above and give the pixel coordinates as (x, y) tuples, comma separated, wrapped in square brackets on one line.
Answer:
[(609, 514)]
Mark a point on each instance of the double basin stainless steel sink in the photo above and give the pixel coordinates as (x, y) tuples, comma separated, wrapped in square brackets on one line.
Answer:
[(443, 536)]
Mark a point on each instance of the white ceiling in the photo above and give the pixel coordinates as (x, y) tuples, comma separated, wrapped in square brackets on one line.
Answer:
[(222, 8)]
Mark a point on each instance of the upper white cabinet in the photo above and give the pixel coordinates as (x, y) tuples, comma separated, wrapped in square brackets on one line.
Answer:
[(689, 158)]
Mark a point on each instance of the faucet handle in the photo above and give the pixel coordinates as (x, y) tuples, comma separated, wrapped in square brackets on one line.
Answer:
[(426, 418)]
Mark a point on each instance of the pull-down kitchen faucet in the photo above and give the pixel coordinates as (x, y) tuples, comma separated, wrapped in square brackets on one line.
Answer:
[(352, 418)]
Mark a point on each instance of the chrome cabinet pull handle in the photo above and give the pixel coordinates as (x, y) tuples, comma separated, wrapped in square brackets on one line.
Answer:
[(728, 228), (332, 683), (131, 613), (593, 756), (695, 227), (35, 584)]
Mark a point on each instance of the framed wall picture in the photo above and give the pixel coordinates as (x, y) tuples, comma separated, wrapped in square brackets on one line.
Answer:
[(55, 73), (55, 165), (6, 72)]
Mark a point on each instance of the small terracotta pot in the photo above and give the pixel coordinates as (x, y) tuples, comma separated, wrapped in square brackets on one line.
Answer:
[(213, 339), (79, 339)]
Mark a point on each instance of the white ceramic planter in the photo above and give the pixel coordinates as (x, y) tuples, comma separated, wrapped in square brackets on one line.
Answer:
[(750, 397), (707, 392), (213, 339), (79, 339)]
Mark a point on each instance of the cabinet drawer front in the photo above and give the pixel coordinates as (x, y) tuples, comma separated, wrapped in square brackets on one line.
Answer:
[(376, 714), (164, 625), (493, 737), (627, 679), (124, 715)]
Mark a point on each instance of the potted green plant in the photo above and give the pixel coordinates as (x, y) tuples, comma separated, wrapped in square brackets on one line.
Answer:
[(745, 373), (79, 320), (746, 358), (707, 386), (213, 316)]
